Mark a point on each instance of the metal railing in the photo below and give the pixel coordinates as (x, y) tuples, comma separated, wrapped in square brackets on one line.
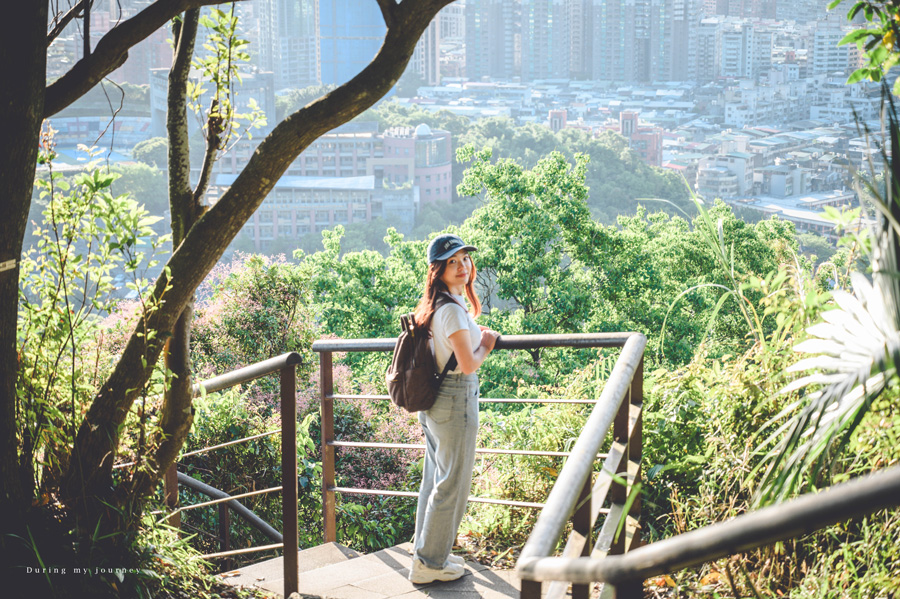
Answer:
[(615, 557), (627, 375), (578, 496), (808, 513), (285, 365), (618, 559)]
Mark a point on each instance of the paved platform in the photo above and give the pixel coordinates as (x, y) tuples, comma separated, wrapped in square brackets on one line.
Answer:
[(332, 571)]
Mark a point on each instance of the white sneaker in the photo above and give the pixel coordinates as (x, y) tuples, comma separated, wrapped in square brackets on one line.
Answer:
[(455, 559), (419, 573)]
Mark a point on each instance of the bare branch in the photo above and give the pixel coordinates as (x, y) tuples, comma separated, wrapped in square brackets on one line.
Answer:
[(64, 20), (112, 50)]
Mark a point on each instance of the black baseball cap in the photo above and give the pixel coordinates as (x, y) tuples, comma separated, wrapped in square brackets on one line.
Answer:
[(444, 246)]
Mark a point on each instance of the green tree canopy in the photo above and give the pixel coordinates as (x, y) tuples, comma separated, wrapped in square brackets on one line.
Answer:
[(152, 151)]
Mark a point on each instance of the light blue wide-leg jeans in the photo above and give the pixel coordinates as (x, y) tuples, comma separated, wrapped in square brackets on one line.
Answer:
[(450, 426)]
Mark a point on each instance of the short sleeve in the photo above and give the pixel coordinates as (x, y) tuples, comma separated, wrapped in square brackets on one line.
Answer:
[(450, 319)]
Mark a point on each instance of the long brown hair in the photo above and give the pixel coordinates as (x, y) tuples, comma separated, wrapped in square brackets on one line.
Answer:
[(433, 285)]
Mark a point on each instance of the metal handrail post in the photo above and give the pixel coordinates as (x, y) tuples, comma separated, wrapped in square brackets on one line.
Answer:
[(326, 383), (531, 589), (581, 525), (170, 494), (636, 447), (618, 492), (289, 515), (225, 531)]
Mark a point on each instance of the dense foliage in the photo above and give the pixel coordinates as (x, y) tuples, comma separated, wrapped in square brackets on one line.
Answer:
[(730, 307)]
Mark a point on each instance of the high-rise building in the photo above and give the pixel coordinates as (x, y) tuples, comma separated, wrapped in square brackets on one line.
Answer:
[(350, 34), (614, 41), (426, 59), (545, 40), (492, 34), (824, 55), (801, 10), (452, 19), (288, 41), (745, 50), (579, 17), (638, 41), (707, 55), (679, 48)]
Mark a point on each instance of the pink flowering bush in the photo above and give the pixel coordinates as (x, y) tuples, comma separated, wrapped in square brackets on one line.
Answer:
[(250, 310)]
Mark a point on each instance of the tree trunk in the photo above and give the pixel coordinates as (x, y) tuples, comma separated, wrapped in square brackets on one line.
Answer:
[(23, 67), (176, 414)]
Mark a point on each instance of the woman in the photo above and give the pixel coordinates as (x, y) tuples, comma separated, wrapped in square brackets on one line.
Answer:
[(451, 424)]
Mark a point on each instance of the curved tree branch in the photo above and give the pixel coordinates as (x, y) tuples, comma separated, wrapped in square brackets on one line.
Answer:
[(61, 22), (112, 50)]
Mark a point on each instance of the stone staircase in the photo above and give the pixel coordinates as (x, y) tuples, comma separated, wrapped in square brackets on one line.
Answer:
[(332, 571)]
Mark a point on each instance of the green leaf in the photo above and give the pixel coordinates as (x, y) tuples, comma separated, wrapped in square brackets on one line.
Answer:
[(858, 75), (149, 220), (854, 36)]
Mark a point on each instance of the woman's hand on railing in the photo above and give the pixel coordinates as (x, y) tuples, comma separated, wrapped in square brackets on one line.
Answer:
[(489, 338)]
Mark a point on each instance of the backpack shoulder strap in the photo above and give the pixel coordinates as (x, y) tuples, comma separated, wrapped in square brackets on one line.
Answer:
[(443, 299)]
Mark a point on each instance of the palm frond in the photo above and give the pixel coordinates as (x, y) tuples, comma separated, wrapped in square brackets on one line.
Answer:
[(856, 351)]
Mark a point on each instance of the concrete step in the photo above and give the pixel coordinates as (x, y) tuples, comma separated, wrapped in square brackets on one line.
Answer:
[(271, 571), (382, 575)]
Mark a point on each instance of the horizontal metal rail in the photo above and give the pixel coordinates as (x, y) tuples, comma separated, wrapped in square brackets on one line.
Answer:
[(480, 400), (236, 377), (420, 447), (230, 443), (248, 373), (285, 366), (762, 527), (241, 551), (413, 494), (238, 507), (571, 340), (194, 506)]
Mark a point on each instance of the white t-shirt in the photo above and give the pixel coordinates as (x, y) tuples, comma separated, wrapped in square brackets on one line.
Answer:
[(448, 319)]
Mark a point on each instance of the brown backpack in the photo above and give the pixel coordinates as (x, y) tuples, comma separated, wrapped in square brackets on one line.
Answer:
[(412, 378)]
